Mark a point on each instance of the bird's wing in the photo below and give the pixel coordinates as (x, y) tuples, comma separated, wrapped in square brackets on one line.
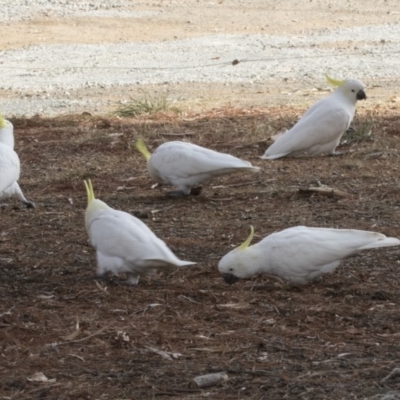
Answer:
[(9, 167), (118, 234), (319, 126), (301, 250), (184, 160)]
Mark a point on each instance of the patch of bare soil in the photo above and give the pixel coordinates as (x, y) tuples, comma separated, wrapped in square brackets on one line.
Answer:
[(336, 338)]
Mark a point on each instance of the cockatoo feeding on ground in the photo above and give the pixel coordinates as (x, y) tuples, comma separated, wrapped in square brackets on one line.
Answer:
[(9, 165), (299, 254), (123, 243), (186, 165), (320, 129)]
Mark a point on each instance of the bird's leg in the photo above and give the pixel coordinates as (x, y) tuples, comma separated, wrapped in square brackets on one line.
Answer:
[(29, 204), (108, 279), (185, 192), (196, 190), (133, 279), (177, 193), (102, 277)]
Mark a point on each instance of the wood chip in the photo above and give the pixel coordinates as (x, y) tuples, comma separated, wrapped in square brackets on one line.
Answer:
[(203, 381), (165, 354), (325, 190)]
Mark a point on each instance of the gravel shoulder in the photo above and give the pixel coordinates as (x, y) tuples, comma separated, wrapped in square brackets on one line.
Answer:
[(59, 57)]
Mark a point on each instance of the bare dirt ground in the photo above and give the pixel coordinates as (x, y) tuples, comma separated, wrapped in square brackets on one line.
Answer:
[(334, 339), (337, 338)]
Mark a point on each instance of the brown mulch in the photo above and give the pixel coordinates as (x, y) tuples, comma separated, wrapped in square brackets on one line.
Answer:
[(337, 338)]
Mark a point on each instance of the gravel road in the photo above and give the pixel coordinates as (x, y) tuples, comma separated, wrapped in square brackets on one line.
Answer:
[(58, 78)]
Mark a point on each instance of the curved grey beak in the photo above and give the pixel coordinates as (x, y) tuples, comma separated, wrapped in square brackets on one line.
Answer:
[(229, 278), (361, 95)]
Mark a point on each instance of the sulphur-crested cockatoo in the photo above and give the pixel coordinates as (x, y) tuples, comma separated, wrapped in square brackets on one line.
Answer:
[(123, 243), (299, 254), (186, 165), (320, 129), (9, 165)]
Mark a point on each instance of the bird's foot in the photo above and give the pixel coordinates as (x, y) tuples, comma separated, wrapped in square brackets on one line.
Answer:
[(177, 193), (133, 279), (156, 185), (110, 280), (29, 204), (196, 190), (97, 277), (337, 153)]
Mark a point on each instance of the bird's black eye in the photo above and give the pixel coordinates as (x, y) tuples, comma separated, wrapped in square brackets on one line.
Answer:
[(230, 269), (353, 90)]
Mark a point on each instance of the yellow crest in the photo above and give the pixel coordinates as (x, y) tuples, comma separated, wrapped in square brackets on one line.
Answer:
[(89, 190), (141, 146), (246, 244), (2, 122), (334, 82)]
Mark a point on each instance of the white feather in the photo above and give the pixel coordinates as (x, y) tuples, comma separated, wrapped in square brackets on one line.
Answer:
[(301, 254), (186, 165), (320, 129), (7, 133), (9, 166), (125, 244)]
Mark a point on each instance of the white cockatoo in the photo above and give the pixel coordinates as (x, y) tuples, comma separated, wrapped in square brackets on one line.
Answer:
[(299, 254), (9, 165), (320, 129), (124, 243), (186, 165)]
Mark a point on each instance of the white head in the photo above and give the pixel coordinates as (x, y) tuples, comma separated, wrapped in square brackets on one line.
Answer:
[(94, 205), (353, 89), (6, 132), (242, 262)]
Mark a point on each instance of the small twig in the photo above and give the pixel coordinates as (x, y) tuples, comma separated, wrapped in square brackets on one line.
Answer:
[(236, 184), (325, 190), (81, 340), (188, 299), (7, 312), (395, 372), (255, 372), (164, 354), (177, 392)]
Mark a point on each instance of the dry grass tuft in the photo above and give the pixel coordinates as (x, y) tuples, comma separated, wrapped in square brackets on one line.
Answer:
[(147, 104)]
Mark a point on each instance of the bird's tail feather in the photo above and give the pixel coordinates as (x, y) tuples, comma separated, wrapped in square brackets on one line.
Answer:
[(273, 156), (382, 242), (163, 264)]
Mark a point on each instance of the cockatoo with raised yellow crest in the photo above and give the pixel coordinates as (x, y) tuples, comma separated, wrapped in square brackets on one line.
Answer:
[(9, 165), (186, 165), (123, 243), (320, 129), (299, 254)]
